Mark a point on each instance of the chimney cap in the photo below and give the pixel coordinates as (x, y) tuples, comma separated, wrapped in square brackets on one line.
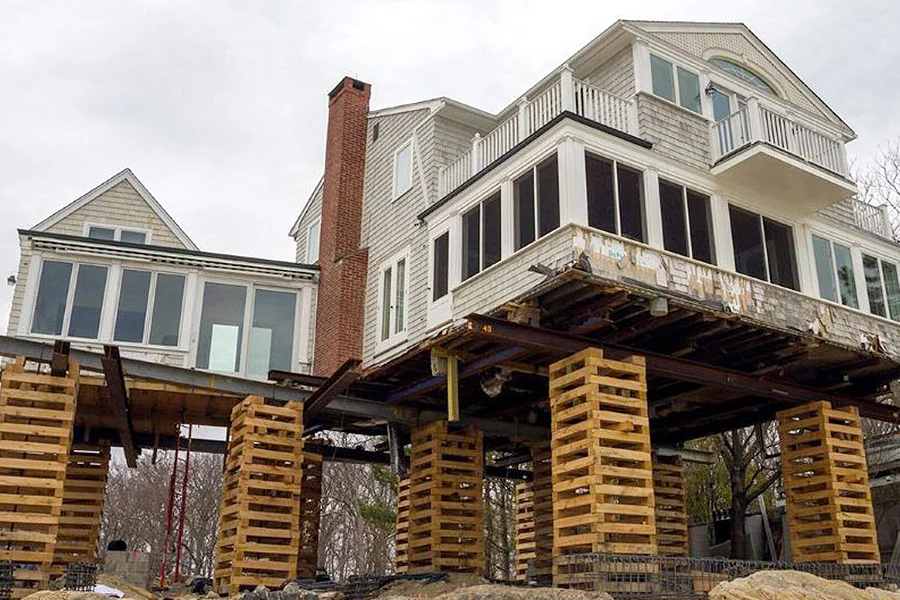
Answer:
[(349, 82)]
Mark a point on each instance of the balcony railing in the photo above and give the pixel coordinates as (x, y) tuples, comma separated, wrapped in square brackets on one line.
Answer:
[(756, 122), (874, 219), (565, 94)]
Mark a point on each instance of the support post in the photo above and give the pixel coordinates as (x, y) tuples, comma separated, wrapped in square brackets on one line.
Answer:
[(534, 520), (567, 88), (452, 389), (401, 540), (670, 499), (826, 482), (78, 537), (259, 523), (310, 515), (37, 412), (446, 511), (602, 474)]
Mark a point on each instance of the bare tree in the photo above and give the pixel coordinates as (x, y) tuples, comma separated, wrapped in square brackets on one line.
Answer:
[(500, 527), (878, 181)]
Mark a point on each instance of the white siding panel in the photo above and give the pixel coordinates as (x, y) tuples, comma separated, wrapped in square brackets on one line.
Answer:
[(616, 75)]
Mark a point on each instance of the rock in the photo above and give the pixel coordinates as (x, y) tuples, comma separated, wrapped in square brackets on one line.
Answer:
[(793, 585), (291, 587), (506, 592), (335, 595), (212, 595), (261, 590)]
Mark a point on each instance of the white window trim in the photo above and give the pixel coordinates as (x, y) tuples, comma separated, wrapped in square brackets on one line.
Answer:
[(70, 297), (676, 64), (317, 225), (687, 219), (151, 301), (395, 193), (395, 337), (533, 169), (117, 231), (645, 215), (802, 244)]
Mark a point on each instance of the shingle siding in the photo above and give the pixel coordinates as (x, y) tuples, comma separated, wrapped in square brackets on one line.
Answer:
[(313, 212), (123, 206), (391, 225), (616, 75), (451, 140), (673, 131), (15, 312)]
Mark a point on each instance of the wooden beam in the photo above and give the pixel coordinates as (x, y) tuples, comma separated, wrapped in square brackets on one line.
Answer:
[(662, 365), (118, 398), (340, 380), (59, 360)]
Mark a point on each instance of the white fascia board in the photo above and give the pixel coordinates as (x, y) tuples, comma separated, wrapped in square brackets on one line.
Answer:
[(295, 228)]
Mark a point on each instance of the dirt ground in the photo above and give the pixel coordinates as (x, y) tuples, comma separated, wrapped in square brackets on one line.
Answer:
[(468, 587), (792, 585)]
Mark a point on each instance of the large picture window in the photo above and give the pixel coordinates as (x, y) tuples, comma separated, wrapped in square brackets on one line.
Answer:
[(675, 84), (615, 197), (763, 248), (392, 299), (882, 287), (149, 308), (70, 299), (536, 203), (481, 236), (687, 226), (834, 272), (221, 327), (271, 340)]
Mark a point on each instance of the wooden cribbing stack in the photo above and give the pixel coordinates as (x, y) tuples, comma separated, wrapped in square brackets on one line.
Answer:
[(401, 542), (670, 498), (826, 481), (525, 547), (259, 525), (602, 472), (446, 512), (37, 412), (78, 538), (310, 511)]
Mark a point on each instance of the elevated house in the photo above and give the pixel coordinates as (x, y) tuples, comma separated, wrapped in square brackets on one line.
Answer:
[(655, 242)]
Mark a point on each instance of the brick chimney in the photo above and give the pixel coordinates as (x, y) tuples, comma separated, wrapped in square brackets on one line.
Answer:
[(342, 279)]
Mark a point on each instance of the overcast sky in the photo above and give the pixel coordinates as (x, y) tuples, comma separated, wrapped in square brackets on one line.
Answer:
[(219, 107)]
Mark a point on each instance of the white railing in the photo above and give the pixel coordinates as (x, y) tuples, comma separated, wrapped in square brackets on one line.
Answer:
[(874, 219), (595, 104), (564, 94), (757, 123)]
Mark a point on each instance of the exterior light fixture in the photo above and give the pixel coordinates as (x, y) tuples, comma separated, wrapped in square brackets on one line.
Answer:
[(659, 307), (11, 280)]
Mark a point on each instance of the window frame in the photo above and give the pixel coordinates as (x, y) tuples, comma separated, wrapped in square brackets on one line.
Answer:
[(879, 258), (151, 303), (117, 232), (317, 225), (395, 193), (676, 87), (70, 298), (832, 241), (535, 189), (617, 210), (761, 219), (480, 208), (394, 337), (685, 189)]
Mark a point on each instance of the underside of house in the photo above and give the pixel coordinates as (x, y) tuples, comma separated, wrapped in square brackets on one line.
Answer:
[(568, 343)]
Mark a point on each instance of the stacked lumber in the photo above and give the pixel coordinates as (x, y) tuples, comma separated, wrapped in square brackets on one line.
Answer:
[(401, 541), (525, 547), (602, 471), (542, 481), (78, 538), (826, 481), (310, 511), (259, 524), (37, 411), (670, 498), (446, 522)]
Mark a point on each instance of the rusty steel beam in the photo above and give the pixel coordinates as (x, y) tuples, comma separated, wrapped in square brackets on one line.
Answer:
[(339, 381), (678, 369), (118, 398)]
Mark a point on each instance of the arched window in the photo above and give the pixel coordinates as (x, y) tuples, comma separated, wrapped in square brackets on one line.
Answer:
[(743, 73)]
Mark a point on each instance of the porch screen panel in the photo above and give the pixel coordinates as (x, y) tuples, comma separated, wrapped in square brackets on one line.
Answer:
[(90, 286), (53, 291), (748, 244), (491, 226), (601, 197), (548, 196), (780, 254), (674, 221), (524, 210), (702, 245), (631, 203)]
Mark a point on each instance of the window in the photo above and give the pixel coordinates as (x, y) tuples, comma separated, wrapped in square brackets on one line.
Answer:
[(403, 170), (615, 197), (742, 73), (77, 312), (763, 248), (687, 226), (221, 327), (312, 241), (834, 272), (440, 276), (481, 236), (536, 203), (271, 340), (136, 321), (675, 83), (882, 287), (118, 234), (392, 299)]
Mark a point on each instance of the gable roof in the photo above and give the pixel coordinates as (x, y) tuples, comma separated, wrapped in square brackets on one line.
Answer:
[(688, 27), (295, 228), (128, 176)]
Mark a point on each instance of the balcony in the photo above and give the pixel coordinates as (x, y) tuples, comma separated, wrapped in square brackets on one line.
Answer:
[(762, 150), (564, 94)]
